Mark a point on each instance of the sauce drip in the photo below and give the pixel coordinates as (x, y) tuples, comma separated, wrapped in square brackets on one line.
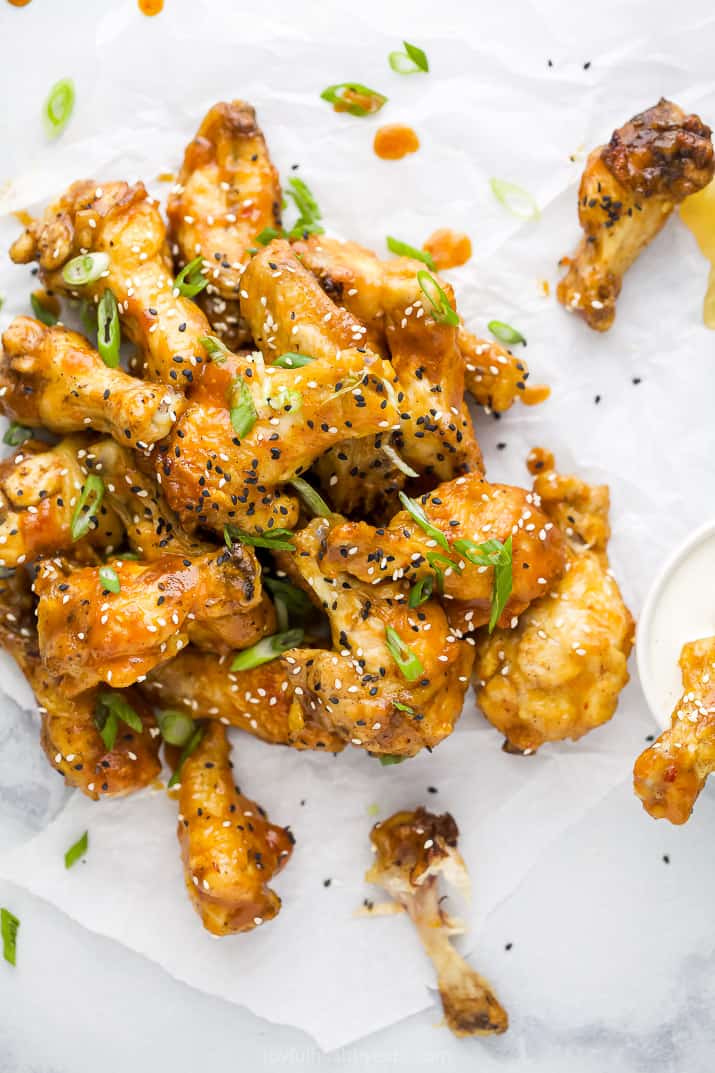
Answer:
[(151, 7), (539, 460), (534, 394), (395, 141), (24, 217), (449, 249), (19, 3), (698, 214), (165, 177)]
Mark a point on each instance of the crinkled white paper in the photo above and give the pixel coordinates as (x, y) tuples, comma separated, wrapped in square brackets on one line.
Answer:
[(491, 106)]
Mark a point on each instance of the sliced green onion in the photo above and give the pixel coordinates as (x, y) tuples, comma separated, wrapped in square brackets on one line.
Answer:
[(45, 316), (409, 62), (404, 707), (416, 512), (176, 727), (88, 504), (110, 708), (403, 655), (441, 309), (515, 199), (389, 758), (190, 747), (109, 578), (348, 97), (286, 399), (274, 539), (294, 599), (243, 412), (268, 649), (505, 333), (16, 434), (437, 562), (282, 618), (304, 199), (8, 929), (302, 228), (289, 360), (77, 850), (58, 107), (486, 554), (216, 350), (403, 249), (267, 235), (87, 268), (421, 591), (502, 583), (313, 501), (108, 331), (191, 280), (398, 461)]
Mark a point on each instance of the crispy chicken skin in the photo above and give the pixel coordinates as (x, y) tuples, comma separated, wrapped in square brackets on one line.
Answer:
[(358, 688), (669, 775), (52, 377), (493, 376), (227, 193), (628, 190), (559, 672), (412, 851), (125, 223), (467, 507), (69, 736), (39, 488), (229, 848)]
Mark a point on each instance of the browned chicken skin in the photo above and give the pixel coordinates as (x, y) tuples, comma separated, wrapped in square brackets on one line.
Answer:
[(669, 775), (229, 849), (412, 850), (628, 190)]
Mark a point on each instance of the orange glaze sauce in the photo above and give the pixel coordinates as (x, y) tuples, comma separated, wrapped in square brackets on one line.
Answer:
[(369, 101), (19, 3), (24, 217), (165, 177), (395, 141), (150, 7), (539, 459), (534, 394), (698, 214), (449, 249)]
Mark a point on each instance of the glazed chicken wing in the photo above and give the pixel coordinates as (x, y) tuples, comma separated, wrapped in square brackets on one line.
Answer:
[(229, 848), (413, 850), (628, 190), (52, 377), (669, 775), (227, 193), (559, 672)]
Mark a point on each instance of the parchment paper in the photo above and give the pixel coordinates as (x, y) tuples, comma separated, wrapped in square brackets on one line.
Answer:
[(491, 106)]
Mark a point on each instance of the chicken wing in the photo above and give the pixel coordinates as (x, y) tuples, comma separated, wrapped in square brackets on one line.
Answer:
[(413, 850), (229, 848), (227, 193), (559, 672), (628, 190), (669, 775), (39, 489)]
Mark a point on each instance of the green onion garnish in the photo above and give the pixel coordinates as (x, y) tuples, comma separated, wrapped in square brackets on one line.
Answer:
[(416, 512), (87, 268), (267, 235), (16, 434), (191, 280), (274, 539), (409, 62), (294, 599), (505, 333), (437, 562), (87, 508), (108, 331), (88, 316), (45, 316), (110, 708), (109, 578), (403, 249), (441, 309), (176, 727), (243, 411), (492, 553), (354, 98), (404, 707), (76, 851), (58, 107), (216, 350), (313, 501), (398, 461), (8, 928), (289, 360), (515, 199), (389, 758), (304, 199), (403, 656), (421, 591), (286, 399), (191, 745), (266, 650)]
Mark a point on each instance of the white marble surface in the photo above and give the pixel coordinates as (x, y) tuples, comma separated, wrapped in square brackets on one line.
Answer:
[(612, 958)]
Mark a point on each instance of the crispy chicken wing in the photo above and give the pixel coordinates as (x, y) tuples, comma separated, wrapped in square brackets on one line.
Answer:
[(53, 377), (413, 850), (229, 848), (669, 775), (493, 376), (628, 190), (227, 193), (559, 672)]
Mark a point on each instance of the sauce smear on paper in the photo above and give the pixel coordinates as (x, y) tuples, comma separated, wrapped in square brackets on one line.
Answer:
[(698, 213), (449, 249), (534, 394), (19, 3), (539, 460), (395, 141), (24, 217), (165, 177), (151, 7)]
